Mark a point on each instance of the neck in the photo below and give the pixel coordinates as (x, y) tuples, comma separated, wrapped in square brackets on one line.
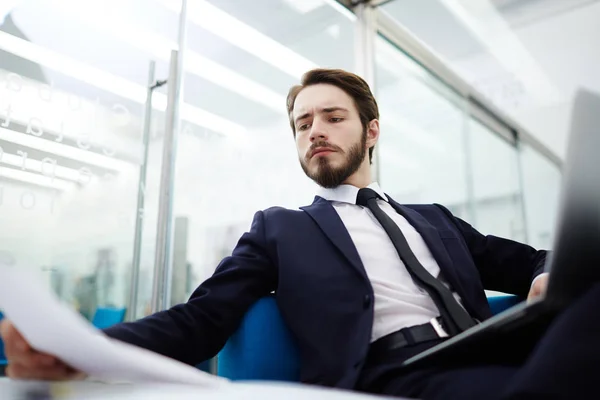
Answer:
[(362, 177)]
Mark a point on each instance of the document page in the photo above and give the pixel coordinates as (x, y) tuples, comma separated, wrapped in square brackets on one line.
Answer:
[(54, 328)]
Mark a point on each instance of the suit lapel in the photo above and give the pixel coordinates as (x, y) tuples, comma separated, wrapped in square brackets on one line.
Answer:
[(325, 216), (433, 240)]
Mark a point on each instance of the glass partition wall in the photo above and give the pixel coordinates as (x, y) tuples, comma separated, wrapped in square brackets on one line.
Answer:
[(73, 83), (73, 80)]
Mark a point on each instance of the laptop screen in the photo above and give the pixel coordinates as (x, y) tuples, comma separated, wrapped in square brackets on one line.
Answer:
[(575, 261)]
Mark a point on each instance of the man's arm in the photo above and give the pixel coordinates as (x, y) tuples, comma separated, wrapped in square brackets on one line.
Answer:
[(504, 265), (195, 331)]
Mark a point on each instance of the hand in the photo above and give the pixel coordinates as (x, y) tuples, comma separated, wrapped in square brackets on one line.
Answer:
[(539, 286), (26, 363)]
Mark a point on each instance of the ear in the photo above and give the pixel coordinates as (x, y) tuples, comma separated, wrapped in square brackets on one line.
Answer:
[(372, 133)]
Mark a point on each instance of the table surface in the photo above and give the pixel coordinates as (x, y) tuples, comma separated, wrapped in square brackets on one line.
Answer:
[(89, 390)]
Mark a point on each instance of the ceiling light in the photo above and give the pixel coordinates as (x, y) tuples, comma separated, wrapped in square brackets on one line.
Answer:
[(109, 82), (243, 36), (160, 48), (305, 6)]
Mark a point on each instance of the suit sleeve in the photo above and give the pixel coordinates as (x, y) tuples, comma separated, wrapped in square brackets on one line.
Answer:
[(504, 265), (197, 330)]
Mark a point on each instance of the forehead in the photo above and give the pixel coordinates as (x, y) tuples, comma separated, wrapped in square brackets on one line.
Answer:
[(321, 96)]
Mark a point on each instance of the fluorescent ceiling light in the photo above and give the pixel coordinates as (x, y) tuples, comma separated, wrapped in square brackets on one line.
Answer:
[(62, 150), (36, 179), (160, 48), (305, 6), (243, 36), (493, 32), (111, 83)]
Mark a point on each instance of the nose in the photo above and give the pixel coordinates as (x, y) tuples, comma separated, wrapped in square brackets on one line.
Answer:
[(318, 131)]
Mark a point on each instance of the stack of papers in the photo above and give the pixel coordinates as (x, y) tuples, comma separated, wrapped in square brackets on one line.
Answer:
[(52, 327)]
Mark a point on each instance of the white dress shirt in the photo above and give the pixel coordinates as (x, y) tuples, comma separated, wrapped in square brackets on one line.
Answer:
[(399, 302)]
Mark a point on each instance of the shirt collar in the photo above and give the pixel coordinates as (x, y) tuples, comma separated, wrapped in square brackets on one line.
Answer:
[(348, 193)]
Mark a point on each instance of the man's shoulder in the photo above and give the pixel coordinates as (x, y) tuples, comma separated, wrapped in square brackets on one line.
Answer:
[(279, 211), (274, 219), (275, 212)]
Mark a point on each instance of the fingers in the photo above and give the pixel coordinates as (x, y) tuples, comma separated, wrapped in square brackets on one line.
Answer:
[(32, 359), (539, 286), (18, 350), (24, 362), (57, 372), (533, 293), (14, 342)]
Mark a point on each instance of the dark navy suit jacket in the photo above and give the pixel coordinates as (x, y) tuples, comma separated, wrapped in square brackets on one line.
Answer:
[(308, 258)]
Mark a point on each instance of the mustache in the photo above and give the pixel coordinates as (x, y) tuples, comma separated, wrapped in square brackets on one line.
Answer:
[(323, 145)]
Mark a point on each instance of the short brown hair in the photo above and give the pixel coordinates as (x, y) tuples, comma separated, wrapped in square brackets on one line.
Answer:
[(355, 86)]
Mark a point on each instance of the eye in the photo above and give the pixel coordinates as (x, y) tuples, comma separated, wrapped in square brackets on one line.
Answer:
[(336, 119), (303, 127)]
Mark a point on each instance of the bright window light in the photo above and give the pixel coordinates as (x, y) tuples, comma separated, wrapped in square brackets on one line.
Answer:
[(160, 48)]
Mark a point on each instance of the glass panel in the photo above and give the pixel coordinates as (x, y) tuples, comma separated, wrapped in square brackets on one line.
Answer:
[(541, 182), (72, 91), (238, 155), (496, 191), (422, 152), (527, 57)]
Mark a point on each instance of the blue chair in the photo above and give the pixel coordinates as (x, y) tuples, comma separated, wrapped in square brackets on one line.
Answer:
[(105, 317), (501, 303), (2, 354), (264, 349)]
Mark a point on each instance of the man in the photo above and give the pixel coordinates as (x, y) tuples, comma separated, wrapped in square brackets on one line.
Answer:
[(361, 286)]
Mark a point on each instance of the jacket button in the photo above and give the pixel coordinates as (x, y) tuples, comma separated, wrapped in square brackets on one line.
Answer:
[(367, 301)]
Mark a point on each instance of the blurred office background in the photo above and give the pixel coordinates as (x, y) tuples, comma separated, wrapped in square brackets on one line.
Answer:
[(474, 98)]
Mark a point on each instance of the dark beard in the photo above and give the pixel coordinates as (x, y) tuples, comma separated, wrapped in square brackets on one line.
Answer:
[(329, 177)]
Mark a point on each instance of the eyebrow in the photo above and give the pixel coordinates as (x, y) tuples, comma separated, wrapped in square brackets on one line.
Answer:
[(325, 110)]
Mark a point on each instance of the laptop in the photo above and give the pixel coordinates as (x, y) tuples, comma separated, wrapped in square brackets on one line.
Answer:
[(574, 264)]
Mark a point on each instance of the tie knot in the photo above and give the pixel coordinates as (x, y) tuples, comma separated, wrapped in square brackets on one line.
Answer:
[(364, 195)]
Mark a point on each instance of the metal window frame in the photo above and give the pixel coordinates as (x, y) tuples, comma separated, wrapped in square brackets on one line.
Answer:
[(163, 258), (479, 107)]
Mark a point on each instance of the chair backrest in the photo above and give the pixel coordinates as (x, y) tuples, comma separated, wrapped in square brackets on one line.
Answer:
[(105, 317), (263, 348)]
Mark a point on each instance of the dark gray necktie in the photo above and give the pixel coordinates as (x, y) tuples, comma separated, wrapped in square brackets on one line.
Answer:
[(455, 318)]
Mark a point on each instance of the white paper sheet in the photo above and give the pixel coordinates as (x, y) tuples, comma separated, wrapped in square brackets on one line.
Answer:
[(52, 327)]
